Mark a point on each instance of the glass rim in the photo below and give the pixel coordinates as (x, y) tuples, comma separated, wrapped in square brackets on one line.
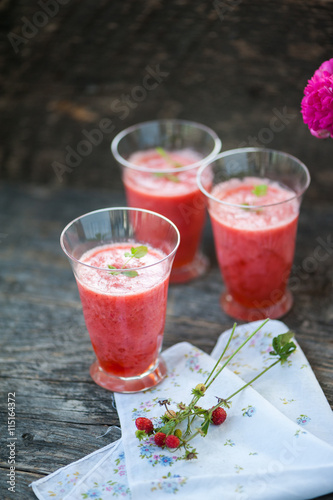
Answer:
[(231, 152), (120, 159), (118, 209)]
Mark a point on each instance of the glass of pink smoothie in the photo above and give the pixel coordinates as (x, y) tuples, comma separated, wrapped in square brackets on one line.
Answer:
[(254, 197), (121, 259), (160, 160)]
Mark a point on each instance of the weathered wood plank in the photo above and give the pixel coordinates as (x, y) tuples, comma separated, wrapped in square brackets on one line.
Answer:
[(233, 65), (45, 348)]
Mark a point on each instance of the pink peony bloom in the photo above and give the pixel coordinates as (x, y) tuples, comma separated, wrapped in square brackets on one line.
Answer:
[(317, 103)]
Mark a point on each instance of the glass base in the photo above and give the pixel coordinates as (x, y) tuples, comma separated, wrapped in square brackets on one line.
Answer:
[(130, 384), (273, 311), (196, 268)]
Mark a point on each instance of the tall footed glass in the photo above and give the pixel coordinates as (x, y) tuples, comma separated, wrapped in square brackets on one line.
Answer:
[(160, 160), (121, 259), (254, 197)]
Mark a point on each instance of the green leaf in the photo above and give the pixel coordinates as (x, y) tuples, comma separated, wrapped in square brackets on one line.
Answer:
[(130, 274), (200, 411), (170, 177), (164, 419), (197, 392), (285, 338), (138, 252), (205, 427), (141, 435), (127, 254), (168, 158), (260, 190), (168, 427), (113, 272), (283, 347)]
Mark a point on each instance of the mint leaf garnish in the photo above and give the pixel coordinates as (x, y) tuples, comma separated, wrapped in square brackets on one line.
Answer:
[(260, 190), (170, 177), (136, 253), (113, 272), (168, 158), (130, 274)]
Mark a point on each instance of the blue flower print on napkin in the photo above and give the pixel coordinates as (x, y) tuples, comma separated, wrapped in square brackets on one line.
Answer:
[(303, 420), (249, 411), (169, 483)]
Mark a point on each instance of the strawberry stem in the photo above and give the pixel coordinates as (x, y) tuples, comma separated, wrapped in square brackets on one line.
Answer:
[(234, 354), (249, 383), (223, 353)]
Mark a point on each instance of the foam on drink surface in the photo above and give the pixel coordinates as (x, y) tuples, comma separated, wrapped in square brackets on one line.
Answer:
[(170, 184), (273, 210), (102, 279)]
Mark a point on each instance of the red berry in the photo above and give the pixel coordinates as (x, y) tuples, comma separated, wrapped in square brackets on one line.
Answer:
[(144, 424), (218, 416), (172, 441), (159, 439)]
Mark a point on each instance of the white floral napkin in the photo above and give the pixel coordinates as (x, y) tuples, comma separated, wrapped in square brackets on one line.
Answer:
[(292, 388), (257, 453)]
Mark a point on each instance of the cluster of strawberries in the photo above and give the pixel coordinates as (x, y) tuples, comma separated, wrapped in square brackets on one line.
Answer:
[(169, 435), (173, 441)]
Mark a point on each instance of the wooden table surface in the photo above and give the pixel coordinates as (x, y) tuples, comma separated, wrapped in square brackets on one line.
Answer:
[(46, 352), (239, 67)]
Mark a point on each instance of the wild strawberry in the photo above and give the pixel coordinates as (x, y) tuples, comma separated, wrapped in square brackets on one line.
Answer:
[(170, 414), (178, 433), (172, 441), (201, 388), (144, 424), (218, 416), (159, 439)]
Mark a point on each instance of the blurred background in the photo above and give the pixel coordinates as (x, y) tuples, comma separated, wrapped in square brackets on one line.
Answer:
[(75, 73)]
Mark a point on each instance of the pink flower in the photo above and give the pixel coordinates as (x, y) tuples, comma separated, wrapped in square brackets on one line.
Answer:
[(317, 103)]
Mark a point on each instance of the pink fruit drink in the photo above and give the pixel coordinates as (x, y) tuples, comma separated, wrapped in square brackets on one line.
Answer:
[(255, 247), (125, 316), (174, 195)]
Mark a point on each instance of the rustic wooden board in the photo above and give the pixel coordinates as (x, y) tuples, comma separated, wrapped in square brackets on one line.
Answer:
[(45, 349), (235, 66)]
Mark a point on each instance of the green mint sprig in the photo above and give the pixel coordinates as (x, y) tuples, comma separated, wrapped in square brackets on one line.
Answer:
[(170, 177), (135, 253), (199, 419), (260, 189), (171, 161), (168, 158)]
